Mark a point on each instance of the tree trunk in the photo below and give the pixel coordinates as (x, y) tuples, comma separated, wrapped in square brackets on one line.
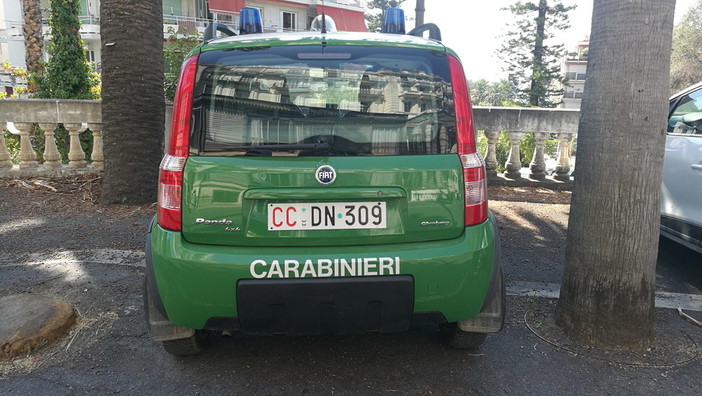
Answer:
[(419, 13), (607, 293), (536, 92), (133, 107), (33, 38)]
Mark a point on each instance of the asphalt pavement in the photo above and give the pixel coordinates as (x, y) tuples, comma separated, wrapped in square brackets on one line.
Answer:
[(108, 349)]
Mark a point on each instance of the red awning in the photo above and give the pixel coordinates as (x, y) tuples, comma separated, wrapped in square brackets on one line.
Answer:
[(346, 20), (227, 6)]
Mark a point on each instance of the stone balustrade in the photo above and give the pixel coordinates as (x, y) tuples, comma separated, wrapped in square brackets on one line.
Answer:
[(20, 116), (78, 115), (542, 123)]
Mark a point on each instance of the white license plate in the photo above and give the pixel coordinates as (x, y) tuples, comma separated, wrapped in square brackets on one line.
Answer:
[(326, 216)]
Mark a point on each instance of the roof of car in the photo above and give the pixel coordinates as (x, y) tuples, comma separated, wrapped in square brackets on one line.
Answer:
[(317, 38), (686, 90)]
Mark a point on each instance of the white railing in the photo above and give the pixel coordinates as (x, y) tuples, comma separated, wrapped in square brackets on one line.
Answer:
[(77, 116), (20, 116), (561, 124)]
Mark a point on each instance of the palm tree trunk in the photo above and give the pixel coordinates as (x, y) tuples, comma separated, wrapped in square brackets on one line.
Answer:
[(33, 37), (133, 106), (607, 292)]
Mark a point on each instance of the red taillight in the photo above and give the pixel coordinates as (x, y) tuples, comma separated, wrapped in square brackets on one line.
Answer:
[(475, 187), (171, 170)]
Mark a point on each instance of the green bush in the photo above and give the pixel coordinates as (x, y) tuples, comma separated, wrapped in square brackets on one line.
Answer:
[(13, 145), (67, 74), (177, 47)]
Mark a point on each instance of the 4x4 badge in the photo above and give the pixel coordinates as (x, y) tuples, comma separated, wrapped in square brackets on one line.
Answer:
[(325, 175)]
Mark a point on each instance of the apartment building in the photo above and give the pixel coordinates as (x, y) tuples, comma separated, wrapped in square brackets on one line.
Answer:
[(278, 15), (575, 67)]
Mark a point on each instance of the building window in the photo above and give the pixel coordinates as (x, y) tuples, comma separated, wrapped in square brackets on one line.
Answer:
[(90, 56), (289, 20)]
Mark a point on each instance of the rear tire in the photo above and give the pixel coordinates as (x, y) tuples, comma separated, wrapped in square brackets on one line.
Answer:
[(458, 339), (186, 346)]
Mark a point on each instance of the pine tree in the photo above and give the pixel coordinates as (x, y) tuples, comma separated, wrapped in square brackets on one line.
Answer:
[(533, 63), (686, 59), (67, 74), (375, 21)]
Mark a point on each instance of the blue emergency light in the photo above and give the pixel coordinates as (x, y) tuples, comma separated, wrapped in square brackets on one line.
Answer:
[(394, 21), (250, 21)]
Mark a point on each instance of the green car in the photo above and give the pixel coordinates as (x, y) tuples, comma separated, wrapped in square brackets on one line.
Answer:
[(322, 183)]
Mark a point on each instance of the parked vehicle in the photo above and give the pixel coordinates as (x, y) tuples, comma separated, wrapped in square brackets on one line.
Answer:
[(681, 191), (322, 183)]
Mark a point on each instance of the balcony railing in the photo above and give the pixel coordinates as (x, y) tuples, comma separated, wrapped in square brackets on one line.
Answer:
[(77, 116)]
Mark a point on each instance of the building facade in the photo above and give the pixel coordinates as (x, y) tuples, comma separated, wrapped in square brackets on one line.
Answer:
[(574, 68), (278, 15)]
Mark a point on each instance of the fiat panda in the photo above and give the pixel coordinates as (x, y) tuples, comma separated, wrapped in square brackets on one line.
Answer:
[(322, 182)]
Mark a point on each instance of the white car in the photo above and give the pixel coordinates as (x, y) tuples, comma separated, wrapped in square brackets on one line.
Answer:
[(681, 190)]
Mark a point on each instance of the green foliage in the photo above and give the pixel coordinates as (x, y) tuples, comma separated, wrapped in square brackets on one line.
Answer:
[(686, 57), (526, 148), (375, 20), (67, 74), (485, 93), (13, 145), (532, 61), (179, 44)]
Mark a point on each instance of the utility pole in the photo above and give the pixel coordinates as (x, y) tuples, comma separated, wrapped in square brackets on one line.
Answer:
[(419, 13)]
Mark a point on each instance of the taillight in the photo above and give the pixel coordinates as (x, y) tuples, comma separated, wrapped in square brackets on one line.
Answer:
[(170, 184), (475, 186)]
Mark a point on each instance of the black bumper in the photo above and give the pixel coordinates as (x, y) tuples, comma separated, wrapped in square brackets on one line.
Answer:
[(325, 306)]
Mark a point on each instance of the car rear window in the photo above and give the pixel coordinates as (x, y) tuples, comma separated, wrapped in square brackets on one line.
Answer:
[(323, 100)]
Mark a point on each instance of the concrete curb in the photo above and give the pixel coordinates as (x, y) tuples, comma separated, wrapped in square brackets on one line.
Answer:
[(28, 322)]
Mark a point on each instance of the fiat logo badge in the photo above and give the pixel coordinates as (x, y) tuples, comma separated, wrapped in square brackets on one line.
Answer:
[(325, 175)]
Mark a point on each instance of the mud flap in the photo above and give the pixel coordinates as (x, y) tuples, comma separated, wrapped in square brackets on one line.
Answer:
[(160, 328), (492, 315)]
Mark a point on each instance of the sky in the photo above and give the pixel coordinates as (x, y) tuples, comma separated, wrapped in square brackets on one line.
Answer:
[(474, 29)]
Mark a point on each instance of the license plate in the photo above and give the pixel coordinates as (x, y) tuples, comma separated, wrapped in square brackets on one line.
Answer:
[(326, 216)]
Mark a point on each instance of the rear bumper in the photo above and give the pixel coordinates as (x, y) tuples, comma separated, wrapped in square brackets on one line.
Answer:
[(203, 286)]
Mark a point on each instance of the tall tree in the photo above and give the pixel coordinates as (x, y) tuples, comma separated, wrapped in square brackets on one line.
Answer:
[(67, 74), (33, 37), (485, 93), (375, 20), (133, 108), (607, 292), (532, 61), (686, 59)]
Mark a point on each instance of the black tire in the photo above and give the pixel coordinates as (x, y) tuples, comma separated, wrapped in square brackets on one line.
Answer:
[(186, 346), (459, 339)]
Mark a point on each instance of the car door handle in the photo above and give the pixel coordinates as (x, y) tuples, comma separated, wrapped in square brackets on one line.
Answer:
[(696, 167)]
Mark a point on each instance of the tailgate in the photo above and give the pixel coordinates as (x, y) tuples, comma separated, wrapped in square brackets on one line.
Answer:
[(277, 201)]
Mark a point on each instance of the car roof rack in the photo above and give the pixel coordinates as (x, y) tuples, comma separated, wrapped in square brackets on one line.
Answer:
[(212, 29), (434, 31)]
